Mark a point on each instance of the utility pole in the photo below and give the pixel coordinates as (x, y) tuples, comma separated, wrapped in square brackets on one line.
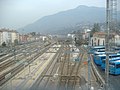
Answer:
[(107, 44), (113, 18), (89, 63), (113, 4)]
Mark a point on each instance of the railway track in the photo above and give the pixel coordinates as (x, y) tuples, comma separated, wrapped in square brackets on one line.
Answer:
[(74, 75), (68, 81), (20, 66), (64, 65), (35, 73), (10, 60), (46, 74), (9, 54), (5, 57), (51, 72)]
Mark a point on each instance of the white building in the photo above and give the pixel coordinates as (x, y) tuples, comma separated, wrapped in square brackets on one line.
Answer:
[(71, 36), (117, 40), (87, 33), (4, 36), (14, 36), (43, 37), (99, 39), (8, 36)]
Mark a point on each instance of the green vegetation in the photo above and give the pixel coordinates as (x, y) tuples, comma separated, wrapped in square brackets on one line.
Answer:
[(4, 44), (96, 28), (33, 33), (80, 42)]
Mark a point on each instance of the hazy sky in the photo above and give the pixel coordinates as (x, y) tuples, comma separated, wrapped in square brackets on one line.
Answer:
[(18, 13)]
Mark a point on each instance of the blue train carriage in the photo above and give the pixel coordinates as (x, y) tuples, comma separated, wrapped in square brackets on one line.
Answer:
[(97, 48), (116, 48), (97, 53), (98, 59), (114, 67), (103, 65)]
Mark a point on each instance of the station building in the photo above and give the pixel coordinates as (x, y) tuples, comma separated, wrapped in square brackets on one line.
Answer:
[(99, 39)]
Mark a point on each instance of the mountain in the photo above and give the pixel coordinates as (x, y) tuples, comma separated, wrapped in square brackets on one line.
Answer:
[(62, 22)]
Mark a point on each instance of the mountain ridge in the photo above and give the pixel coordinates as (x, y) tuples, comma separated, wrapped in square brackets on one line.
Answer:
[(69, 18)]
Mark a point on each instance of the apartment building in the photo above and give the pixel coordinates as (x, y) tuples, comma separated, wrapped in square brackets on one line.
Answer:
[(8, 36)]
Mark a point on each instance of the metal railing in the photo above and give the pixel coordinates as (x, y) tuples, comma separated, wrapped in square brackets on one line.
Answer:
[(98, 77)]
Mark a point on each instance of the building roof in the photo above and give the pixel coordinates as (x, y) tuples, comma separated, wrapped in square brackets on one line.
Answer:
[(7, 30), (99, 33), (103, 34)]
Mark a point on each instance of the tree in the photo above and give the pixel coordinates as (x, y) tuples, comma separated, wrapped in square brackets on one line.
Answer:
[(96, 28), (4, 44), (33, 33)]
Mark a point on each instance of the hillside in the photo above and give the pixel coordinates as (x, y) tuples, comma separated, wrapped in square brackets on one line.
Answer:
[(63, 22)]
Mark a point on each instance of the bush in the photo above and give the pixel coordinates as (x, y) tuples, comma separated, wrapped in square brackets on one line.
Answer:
[(4, 44)]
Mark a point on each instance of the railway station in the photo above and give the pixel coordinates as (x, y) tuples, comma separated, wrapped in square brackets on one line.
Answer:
[(84, 57)]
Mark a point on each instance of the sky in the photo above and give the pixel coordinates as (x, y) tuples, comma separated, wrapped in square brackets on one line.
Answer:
[(15, 14)]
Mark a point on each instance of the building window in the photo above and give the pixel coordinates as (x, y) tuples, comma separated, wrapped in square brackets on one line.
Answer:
[(92, 42), (95, 38), (98, 42), (95, 43), (103, 42)]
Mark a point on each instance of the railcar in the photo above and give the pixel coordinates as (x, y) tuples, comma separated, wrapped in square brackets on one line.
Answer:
[(103, 65), (97, 48), (99, 58), (114, 67)]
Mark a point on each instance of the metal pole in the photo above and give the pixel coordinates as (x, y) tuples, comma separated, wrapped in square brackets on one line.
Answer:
[(89, 66), (14, 54), (113, 17), (23, 37), (107, 44), (114, 14), (89, 72)]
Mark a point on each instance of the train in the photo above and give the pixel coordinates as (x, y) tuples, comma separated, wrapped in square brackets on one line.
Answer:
[(114, 67), (97, 48), (99, 58), (103, 65)]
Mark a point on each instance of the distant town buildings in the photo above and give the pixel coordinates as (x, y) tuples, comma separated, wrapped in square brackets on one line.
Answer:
[(11, 37), (8, 37), (97, 39)]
